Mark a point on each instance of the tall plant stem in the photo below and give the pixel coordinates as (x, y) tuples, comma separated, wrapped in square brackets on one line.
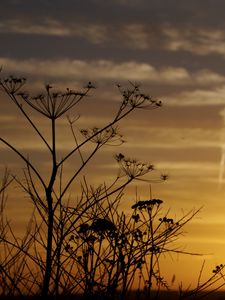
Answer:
[(48, 193)]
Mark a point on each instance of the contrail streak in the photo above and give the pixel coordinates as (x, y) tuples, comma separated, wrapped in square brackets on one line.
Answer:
[(222, 159), (222, 165)]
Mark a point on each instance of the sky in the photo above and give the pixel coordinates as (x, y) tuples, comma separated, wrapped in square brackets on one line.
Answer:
[(176, 50)]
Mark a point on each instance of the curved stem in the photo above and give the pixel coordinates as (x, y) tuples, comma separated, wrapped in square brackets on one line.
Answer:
[(25, 160), (13, 98), (79, 170)]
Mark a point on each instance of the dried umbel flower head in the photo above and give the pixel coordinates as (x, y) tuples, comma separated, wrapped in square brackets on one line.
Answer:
[(170, 223), (53, 104), (167, 220), (12, 84), (109, 136), (133, 168), (49, 103), (133, 97), (218, 268), (84, 228), (145, 204), (164, 177), (137, 234), (102, 225)]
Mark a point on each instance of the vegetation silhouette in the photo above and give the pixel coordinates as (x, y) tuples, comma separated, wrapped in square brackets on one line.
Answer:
[(91, 249)]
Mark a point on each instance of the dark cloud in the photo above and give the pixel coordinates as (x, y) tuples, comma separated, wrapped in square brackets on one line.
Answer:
[(155, 11), (161, 32)]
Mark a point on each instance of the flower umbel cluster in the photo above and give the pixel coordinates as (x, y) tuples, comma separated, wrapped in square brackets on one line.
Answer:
[(143, 204), (12, 84), (98, 225), (135, 98), (167, 220), (109, 136), (133, 168), (218, 268), (53, 104), (50, 103)]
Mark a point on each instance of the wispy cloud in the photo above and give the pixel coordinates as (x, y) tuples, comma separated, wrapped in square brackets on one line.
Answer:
[(135, 36), (199, 41), (95, 33), (130, 70), (198, 97), (142, 34), (49, 27)]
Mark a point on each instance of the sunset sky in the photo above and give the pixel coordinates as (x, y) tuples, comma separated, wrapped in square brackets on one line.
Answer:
[(176, 50)]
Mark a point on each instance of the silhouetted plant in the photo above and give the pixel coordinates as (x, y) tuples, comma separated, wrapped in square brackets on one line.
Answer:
[(215, 282), (90, 247), (53, 105), (114, 249)]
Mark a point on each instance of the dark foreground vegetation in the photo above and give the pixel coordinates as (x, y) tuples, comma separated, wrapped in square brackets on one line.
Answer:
[(78, 241), (164, 295)]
